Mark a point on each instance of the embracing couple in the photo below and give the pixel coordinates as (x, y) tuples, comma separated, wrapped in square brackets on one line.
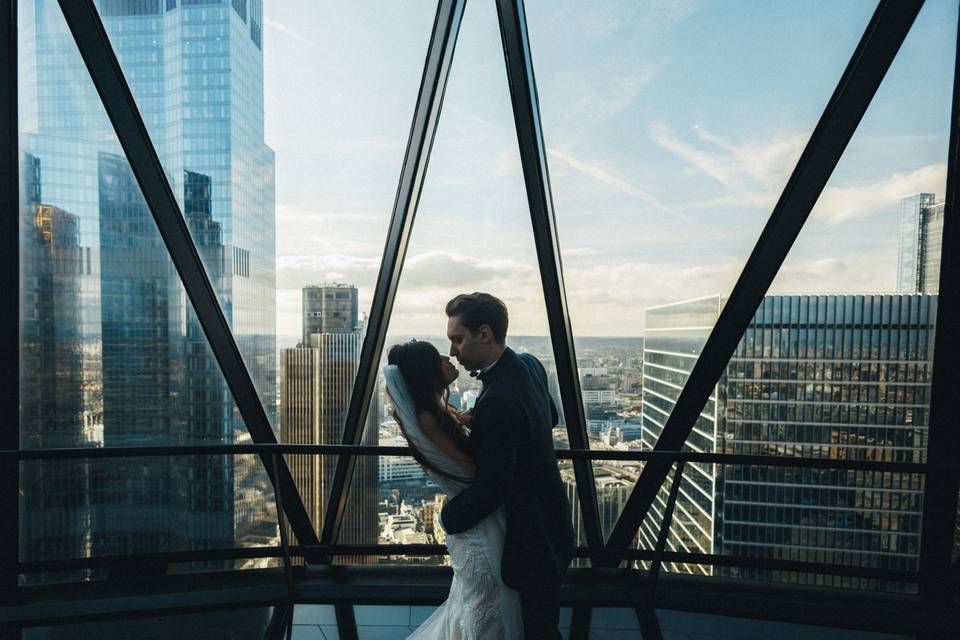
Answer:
[(508, 522)]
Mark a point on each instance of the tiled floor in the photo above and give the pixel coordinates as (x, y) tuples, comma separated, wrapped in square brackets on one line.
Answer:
[(318, 622)]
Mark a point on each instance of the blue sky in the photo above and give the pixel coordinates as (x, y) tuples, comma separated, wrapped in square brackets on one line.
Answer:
[(671, 128)]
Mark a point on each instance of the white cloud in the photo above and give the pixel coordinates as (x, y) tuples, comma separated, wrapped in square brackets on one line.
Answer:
[(578, 252), (592, 97), (841, 204), (756, 170), (604, 299), (612, 181), (867, 272), (287, 31)]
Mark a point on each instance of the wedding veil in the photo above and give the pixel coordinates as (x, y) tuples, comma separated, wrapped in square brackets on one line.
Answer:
[(407, 415)]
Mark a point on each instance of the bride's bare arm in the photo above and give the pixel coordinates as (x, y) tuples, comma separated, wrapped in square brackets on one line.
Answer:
[(432, 429)]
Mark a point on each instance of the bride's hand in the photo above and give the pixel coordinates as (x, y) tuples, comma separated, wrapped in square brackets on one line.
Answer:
[(465, 418)]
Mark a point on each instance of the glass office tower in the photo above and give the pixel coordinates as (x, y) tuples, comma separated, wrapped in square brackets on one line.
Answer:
[(930, 245), (840, 377), (918, 231), (675, 334), (122, 348)]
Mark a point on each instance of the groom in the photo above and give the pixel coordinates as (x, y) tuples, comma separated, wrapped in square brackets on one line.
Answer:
[(512, 444)]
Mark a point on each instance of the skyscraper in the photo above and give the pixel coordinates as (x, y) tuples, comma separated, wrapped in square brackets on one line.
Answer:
[(330, 308), (930, 244), (918, 257), (841, 377), (673, 338), (614, 483), (145, 373), (316, 382), (58, 408)]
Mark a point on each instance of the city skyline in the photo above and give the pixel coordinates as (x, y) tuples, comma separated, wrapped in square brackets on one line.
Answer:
[(119, 358)]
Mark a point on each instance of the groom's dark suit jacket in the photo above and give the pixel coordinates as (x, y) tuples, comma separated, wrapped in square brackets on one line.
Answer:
[(512, 443)]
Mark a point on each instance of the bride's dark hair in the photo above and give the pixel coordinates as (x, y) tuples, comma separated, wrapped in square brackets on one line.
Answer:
[(420, 365)]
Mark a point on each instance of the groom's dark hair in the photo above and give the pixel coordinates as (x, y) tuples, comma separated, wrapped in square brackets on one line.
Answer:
[(477, 309)]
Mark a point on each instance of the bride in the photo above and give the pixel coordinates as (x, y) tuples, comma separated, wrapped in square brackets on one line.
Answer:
[(480, 606)]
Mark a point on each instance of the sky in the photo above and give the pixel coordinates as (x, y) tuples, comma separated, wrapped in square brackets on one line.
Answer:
[(671, 128)]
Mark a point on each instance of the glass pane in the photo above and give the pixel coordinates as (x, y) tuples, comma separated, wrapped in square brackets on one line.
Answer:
[(833, 364), (331, 230), (671, 129), (299, 125), (196, 71), (112, 353), (472, 233), (841, 365)]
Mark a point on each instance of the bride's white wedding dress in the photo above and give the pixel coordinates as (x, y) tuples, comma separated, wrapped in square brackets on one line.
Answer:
[(480, 606)]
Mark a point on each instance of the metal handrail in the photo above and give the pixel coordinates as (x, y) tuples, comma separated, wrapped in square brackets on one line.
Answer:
[(427, 550), (433, 550), (562, 454)]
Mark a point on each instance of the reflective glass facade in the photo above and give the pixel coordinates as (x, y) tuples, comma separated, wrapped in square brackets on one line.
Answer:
[(674, 337), (912, 246), (840, 377), (931, 240), (113, 354)]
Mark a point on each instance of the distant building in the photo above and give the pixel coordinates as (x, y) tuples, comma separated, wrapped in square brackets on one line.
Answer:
[(59, 407), (599, 392), (399, 469), (439, 535), (431, 515), (841, 377), (614, 484), (316, 383), (930, 247), (921, 233), (329, 308)]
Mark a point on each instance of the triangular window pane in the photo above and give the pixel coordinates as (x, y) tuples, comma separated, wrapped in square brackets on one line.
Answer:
[(835, 362), (112, 353), (299, 122), (671, 130), (338, 155), (472, 233)]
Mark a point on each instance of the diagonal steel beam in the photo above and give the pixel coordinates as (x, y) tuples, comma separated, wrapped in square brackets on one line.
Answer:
[(281, 621), (664, 532), (649, 625), (943, 446), (118, 101), (536, 175), (10, 284), (580, 619), (877, 48), (436, 69), (346, 621)]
